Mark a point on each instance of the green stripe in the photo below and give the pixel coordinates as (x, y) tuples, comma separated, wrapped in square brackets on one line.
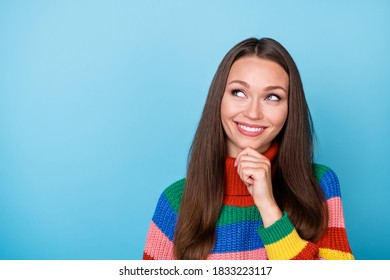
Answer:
[(228, 215), (174, 194), (319, 170), (233, 214), (277, 231)]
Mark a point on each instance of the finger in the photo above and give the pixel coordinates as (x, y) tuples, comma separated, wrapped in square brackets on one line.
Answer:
[(247, 179), (253, 162), (246, 158), (247, 153), (254, 173)]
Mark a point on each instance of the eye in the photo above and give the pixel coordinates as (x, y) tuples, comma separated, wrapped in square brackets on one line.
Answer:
[(238, 93), (273, 97)]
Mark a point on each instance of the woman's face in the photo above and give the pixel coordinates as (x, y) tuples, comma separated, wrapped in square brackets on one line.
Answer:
[(254, 105)]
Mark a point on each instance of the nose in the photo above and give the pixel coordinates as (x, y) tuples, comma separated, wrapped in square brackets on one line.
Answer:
[(254, 110)]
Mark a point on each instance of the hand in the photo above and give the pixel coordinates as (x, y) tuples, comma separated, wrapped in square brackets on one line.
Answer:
[(254, 170)]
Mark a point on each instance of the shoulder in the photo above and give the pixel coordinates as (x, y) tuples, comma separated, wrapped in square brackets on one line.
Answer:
[(173, 194), (328, 180)]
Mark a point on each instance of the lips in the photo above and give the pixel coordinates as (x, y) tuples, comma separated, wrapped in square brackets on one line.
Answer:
[(250, 129)]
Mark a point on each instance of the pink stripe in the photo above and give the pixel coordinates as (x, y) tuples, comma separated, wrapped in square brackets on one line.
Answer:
[(158, 245), (336, 216), (259, 254)]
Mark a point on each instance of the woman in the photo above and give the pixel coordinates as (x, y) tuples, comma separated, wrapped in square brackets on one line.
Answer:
[(252, 190)]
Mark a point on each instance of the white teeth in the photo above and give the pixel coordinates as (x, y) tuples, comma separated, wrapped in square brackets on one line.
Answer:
[(251, 129)]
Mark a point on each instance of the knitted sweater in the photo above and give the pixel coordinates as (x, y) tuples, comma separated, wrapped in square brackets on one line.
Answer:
[(240, 233)]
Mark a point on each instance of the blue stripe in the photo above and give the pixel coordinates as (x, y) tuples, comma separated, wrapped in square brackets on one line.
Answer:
[(165, 217), (238, 237), (330, 184)]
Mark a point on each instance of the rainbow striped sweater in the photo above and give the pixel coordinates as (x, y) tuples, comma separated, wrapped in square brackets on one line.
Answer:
[(240, 234)]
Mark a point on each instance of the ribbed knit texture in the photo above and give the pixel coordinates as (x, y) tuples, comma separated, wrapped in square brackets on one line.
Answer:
[(239, 230)]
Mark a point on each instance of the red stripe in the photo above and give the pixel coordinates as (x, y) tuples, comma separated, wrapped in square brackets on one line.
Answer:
[(240, 201), (335, 239), (309, 252), (147, 257)]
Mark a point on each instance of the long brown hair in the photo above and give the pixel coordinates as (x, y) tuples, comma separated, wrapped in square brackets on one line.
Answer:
[(295, 187)]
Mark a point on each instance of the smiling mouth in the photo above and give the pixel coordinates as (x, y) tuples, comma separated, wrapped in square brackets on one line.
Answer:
[(250, 130)]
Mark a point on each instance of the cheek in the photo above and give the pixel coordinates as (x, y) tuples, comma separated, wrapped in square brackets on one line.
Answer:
[(228, 112), (279, 118), (226, 109)]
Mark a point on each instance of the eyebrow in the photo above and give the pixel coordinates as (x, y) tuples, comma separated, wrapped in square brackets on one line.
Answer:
[(245, 84), (276, 87)]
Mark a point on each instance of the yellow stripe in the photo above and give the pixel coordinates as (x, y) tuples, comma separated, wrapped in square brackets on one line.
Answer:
[(330, 254), (286, 248)]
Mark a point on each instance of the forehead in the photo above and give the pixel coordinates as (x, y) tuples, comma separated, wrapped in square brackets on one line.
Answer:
[(254, 69)]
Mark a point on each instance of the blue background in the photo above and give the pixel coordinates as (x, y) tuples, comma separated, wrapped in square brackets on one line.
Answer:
[(99, 101)]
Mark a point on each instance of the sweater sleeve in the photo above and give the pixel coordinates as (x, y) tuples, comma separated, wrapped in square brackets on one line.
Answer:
[(282, 241), (159, 239)]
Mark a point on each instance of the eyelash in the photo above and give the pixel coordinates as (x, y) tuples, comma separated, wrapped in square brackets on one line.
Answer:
[(235, 91), (268, 97), (271, 95)]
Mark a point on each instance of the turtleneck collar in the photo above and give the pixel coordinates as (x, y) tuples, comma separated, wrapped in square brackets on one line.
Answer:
[(236, 192)]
